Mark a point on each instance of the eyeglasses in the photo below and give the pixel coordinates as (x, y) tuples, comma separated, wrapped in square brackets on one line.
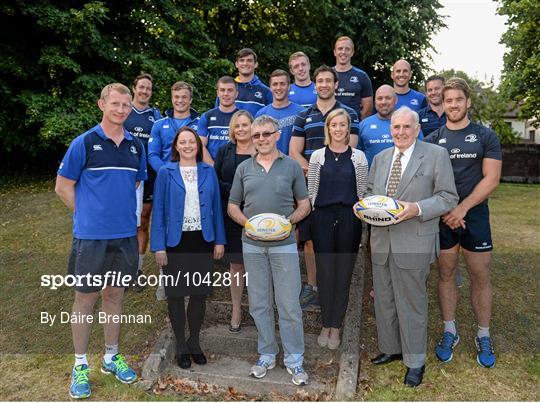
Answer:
[(257, 136)]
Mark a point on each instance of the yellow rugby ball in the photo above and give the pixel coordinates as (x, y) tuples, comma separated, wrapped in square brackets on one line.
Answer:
[(268, 227), (377, 210)]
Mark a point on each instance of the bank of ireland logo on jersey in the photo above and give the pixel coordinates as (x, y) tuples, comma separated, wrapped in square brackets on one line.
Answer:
[(471, 138), (353, 79), (258, 94), (138, 129), (133, 149), (414, 102), (455, 150)]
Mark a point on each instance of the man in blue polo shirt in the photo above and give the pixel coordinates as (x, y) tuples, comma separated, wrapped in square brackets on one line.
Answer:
[(139, 124), (355, 89), (164, 130), (375, 135), (401, 75), (253, 94), (213, 128), (281, 108), (302, 91), (432, 116), (97, 180), (308, 136)]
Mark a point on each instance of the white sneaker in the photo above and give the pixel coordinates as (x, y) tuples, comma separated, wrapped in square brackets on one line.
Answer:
[(299, 376), (260, 368)]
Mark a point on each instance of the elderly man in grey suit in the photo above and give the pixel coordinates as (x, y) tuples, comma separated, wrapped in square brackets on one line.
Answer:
[(420, 176)]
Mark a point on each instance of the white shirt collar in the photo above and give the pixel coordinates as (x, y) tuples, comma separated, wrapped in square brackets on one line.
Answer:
[(407, 153)]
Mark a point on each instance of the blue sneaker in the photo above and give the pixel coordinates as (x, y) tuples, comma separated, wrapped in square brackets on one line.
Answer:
[(119, 367), (80, 385), (486, 355), (445, 349)]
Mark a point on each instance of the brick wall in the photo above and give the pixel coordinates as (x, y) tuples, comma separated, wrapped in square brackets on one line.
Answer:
[(521, 163)]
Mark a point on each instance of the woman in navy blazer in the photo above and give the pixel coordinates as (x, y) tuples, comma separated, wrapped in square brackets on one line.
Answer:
[(187, 233)]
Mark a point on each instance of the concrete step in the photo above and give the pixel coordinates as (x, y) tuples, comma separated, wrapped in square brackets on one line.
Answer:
[(227, 372), (218, 340), (220, 311)]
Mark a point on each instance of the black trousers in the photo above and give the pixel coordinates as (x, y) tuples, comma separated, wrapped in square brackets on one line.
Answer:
[(336, 234), (195, 317)]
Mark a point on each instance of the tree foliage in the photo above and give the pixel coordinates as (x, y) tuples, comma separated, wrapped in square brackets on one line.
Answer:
[(488, 105), (58, 55), (521, 73)]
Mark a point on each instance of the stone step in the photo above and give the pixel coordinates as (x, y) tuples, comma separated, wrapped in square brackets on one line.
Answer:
[(218, 340), (219, 311), (226, 372)]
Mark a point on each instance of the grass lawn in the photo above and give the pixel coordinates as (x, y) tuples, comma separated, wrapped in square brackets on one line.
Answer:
[(36, 359)]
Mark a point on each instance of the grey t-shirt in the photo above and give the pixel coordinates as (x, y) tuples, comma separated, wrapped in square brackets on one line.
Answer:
[(268, 192)]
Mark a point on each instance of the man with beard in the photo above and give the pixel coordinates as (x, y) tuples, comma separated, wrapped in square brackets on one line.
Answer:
[(281, 109), (308, 136), (401, 75), (432, 116), (475, 153)]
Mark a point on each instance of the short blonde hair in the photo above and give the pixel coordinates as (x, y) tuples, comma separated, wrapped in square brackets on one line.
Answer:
[(344, 38), (331, 116), (232, 123), (120, 88), (296, 55)]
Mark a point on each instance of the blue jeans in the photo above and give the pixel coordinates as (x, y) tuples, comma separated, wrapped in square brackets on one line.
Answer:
[(276, 269)]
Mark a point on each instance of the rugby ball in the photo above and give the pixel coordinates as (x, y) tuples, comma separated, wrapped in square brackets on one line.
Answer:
[(377, 210), (268, 227)]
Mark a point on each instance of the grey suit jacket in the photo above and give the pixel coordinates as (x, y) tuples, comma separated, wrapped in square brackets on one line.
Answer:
[(429, 180)]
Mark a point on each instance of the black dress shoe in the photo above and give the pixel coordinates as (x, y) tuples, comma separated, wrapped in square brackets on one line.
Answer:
[(183, 361), (199, 358), (386, 358), (414, 376)]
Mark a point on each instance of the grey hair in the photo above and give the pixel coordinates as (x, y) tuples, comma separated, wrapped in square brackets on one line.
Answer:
[(265, 119), (405, 110)]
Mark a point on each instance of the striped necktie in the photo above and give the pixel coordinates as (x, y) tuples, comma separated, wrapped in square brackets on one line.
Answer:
[(395, 177)]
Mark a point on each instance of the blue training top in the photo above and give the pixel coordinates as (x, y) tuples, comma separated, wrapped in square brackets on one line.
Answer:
[(214, 125), (304, 96), (285, 117), (413, 99), (105, 175), (163, 133)]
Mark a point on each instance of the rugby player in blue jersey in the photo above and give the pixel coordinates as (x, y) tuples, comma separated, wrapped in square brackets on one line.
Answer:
[(432, 116), (213, 128), (401, 75), (97, 180), (355, 89), (302, 91), (139, 123), (281, 109)]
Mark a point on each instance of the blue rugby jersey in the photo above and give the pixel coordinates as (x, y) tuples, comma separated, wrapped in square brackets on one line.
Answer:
[(353, 86), (304, 96), (163, 133), (285, 117), (105, 175), (309, 124), (214, 125), (413, 99)]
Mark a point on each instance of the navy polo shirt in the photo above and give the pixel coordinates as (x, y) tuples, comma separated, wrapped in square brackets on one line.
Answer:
[(105, 175), (354, 85), (430, 120), (309, 124)]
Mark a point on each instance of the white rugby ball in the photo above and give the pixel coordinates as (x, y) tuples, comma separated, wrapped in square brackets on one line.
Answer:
[(377, 210), (268, 227)]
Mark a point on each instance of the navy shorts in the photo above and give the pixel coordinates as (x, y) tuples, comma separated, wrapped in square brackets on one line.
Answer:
[(97, 257), (148, 191), (476, 237), (304, 229)]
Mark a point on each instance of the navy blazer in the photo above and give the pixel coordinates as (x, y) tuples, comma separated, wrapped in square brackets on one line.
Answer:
[(168, 209)]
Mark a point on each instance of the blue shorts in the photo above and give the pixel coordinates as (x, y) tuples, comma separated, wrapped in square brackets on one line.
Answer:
[(476, 237), (97, 257)]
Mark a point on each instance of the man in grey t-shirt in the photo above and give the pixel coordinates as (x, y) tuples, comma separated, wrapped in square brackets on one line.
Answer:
[(271, 182)]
